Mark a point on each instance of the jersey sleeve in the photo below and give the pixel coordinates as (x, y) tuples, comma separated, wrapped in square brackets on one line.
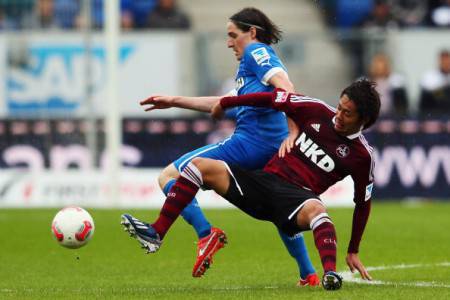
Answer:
[(363, 183), (293, 103), (290, 103), (263, 62)]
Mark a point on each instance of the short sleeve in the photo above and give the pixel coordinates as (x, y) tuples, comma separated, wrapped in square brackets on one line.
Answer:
[(263, 62)]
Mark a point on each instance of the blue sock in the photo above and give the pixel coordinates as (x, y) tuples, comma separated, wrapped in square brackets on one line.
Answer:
[(193, 214), (297, 249)]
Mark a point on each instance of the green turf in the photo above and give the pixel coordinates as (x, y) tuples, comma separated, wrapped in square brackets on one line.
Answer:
[(254, 265)]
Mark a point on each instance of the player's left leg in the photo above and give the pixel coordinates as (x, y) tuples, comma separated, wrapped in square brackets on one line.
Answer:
[(313, 215)]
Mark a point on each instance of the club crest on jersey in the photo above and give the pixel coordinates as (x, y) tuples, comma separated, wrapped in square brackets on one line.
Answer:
[(261, 56), (312, 151), (342, 151)]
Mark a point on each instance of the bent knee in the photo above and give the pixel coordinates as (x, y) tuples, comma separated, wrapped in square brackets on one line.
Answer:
[(211, 169), (167, 174), (315, 207), (204, 164)]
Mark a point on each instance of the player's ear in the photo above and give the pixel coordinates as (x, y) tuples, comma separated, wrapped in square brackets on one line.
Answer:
[(253, 33)]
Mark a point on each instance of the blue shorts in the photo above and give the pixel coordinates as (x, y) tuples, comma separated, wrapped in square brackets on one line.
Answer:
[(234, 150)]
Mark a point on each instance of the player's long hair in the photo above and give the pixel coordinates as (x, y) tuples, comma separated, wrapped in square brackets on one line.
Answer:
[(367, 100), (266, 31)]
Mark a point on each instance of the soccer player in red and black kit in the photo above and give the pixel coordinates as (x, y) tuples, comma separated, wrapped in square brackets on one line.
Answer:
[(329, 147)]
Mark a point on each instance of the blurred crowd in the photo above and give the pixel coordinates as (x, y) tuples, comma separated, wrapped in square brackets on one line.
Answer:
[(70, 14), (386, 14), (434, 98), (381, 15)]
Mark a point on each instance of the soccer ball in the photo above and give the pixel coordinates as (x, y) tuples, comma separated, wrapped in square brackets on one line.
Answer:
[(73, 227)]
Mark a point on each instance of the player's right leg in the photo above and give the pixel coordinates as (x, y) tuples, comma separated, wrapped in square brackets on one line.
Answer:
[(212, 239), (198, 172), (192, 214), (179, 196)]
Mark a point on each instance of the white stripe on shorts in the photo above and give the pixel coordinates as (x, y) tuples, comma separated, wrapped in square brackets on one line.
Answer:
[(232, 175), (301, 205)]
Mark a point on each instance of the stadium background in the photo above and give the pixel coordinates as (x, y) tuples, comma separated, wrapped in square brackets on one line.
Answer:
[(56, 108), (59, 86)]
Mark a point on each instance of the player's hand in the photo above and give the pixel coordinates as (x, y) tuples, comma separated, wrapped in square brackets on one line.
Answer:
[(217, 111), (353, 263), (288, 142), (286, 146), (157, 102)]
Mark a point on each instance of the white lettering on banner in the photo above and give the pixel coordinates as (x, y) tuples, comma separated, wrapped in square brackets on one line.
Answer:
[(61, 158), (312, 151), (138, 189), (412, 167), (54, 81), (25, 155), (64, 157)]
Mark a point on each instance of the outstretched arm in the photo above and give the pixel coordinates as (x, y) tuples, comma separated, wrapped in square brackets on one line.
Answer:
[(203, 104), (255, 99)]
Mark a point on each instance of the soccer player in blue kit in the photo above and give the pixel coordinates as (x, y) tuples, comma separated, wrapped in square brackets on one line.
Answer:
[(259, 133)]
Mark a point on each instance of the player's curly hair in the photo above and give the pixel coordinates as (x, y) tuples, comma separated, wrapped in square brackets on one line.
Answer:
[(266, 31), (366, 98)]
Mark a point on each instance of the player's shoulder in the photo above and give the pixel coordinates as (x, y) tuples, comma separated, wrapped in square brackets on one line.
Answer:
[(260, 52), (365, 149), (256, 46)]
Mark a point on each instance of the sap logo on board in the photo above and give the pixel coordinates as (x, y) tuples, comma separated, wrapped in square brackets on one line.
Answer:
[(54, 78), (314, 153)]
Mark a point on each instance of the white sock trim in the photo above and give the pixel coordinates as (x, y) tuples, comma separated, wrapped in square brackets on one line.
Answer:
[(232, 175), (301, 205), (193, 174), (319, 220)]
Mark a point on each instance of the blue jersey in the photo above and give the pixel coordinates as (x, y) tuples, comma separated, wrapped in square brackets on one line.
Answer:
[(259, 125), (259, 131)]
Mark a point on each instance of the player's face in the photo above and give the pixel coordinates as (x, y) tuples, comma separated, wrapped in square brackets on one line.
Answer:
[(347, 119), (237, 39)]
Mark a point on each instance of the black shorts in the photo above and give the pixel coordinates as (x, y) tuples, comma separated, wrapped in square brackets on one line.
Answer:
[(268, 197)]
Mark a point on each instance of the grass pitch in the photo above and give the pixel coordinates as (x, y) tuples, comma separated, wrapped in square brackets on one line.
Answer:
[(408, 246)]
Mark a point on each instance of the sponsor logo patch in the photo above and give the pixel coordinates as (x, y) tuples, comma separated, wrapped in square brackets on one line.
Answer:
[(369, 189), (312, 151), (281, 97), (261, 56)]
